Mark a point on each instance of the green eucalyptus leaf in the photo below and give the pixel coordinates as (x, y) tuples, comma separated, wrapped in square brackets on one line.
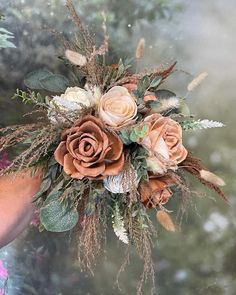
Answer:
[(184, 109), (54, 83), (4, 36), (164, 94), (55, 216), (125, 137), (155, 82), (153, 104), (32, 80), (146, 82), (133, 136)]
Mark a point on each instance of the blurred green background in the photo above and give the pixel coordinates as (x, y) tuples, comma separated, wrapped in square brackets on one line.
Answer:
[(200, 35)]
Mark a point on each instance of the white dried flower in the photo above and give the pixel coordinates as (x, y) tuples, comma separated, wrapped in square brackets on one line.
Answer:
[(73, 99), (119, 184)]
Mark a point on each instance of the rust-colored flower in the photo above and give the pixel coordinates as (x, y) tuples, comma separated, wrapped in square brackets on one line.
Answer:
[(155, 191), (164, 143), (132, 86), (88, 150)]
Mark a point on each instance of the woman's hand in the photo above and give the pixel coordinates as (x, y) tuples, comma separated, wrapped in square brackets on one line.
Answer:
[(16, 206)]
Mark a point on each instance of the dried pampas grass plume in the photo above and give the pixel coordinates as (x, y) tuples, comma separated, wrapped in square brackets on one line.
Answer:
[(197, 81), (165, 220), (140, 48), (75, 58), (211, 177)]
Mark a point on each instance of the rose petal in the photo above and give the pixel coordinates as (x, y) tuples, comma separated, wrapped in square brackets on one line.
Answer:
[(94, 171), (69, 167), (60, 152), (116, 147), (116, 167)]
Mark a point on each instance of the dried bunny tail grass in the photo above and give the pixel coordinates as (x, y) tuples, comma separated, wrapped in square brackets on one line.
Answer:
[(75, 58), (140, 48), (165, 220), (89, 242), (194, 166), (197, 81), (211, 177)]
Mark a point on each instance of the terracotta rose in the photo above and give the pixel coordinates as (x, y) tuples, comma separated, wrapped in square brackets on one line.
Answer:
[(156, 191), (117, 108), (164, 144), (88, 150)]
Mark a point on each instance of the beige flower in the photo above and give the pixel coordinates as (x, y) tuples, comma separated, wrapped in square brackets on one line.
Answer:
[(164, 144), (117, 108), (73, 99)]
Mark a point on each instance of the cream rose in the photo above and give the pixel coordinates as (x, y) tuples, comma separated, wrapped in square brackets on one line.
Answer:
[(164, 144), (73, 99), (117, 108)]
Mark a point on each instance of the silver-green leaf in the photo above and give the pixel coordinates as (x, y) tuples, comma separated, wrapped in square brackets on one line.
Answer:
[(54, 83), (56, 216), (32, 80)]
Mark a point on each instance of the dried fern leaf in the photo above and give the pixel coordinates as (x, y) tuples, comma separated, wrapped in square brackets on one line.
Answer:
[(119, 227)]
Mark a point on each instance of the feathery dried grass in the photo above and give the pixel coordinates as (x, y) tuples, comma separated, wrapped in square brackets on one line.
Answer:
[(141, 237), (86, 43), (37, 140), (89, 242)]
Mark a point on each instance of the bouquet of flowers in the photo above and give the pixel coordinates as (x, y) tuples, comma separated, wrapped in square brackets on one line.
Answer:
[(107, 147)]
